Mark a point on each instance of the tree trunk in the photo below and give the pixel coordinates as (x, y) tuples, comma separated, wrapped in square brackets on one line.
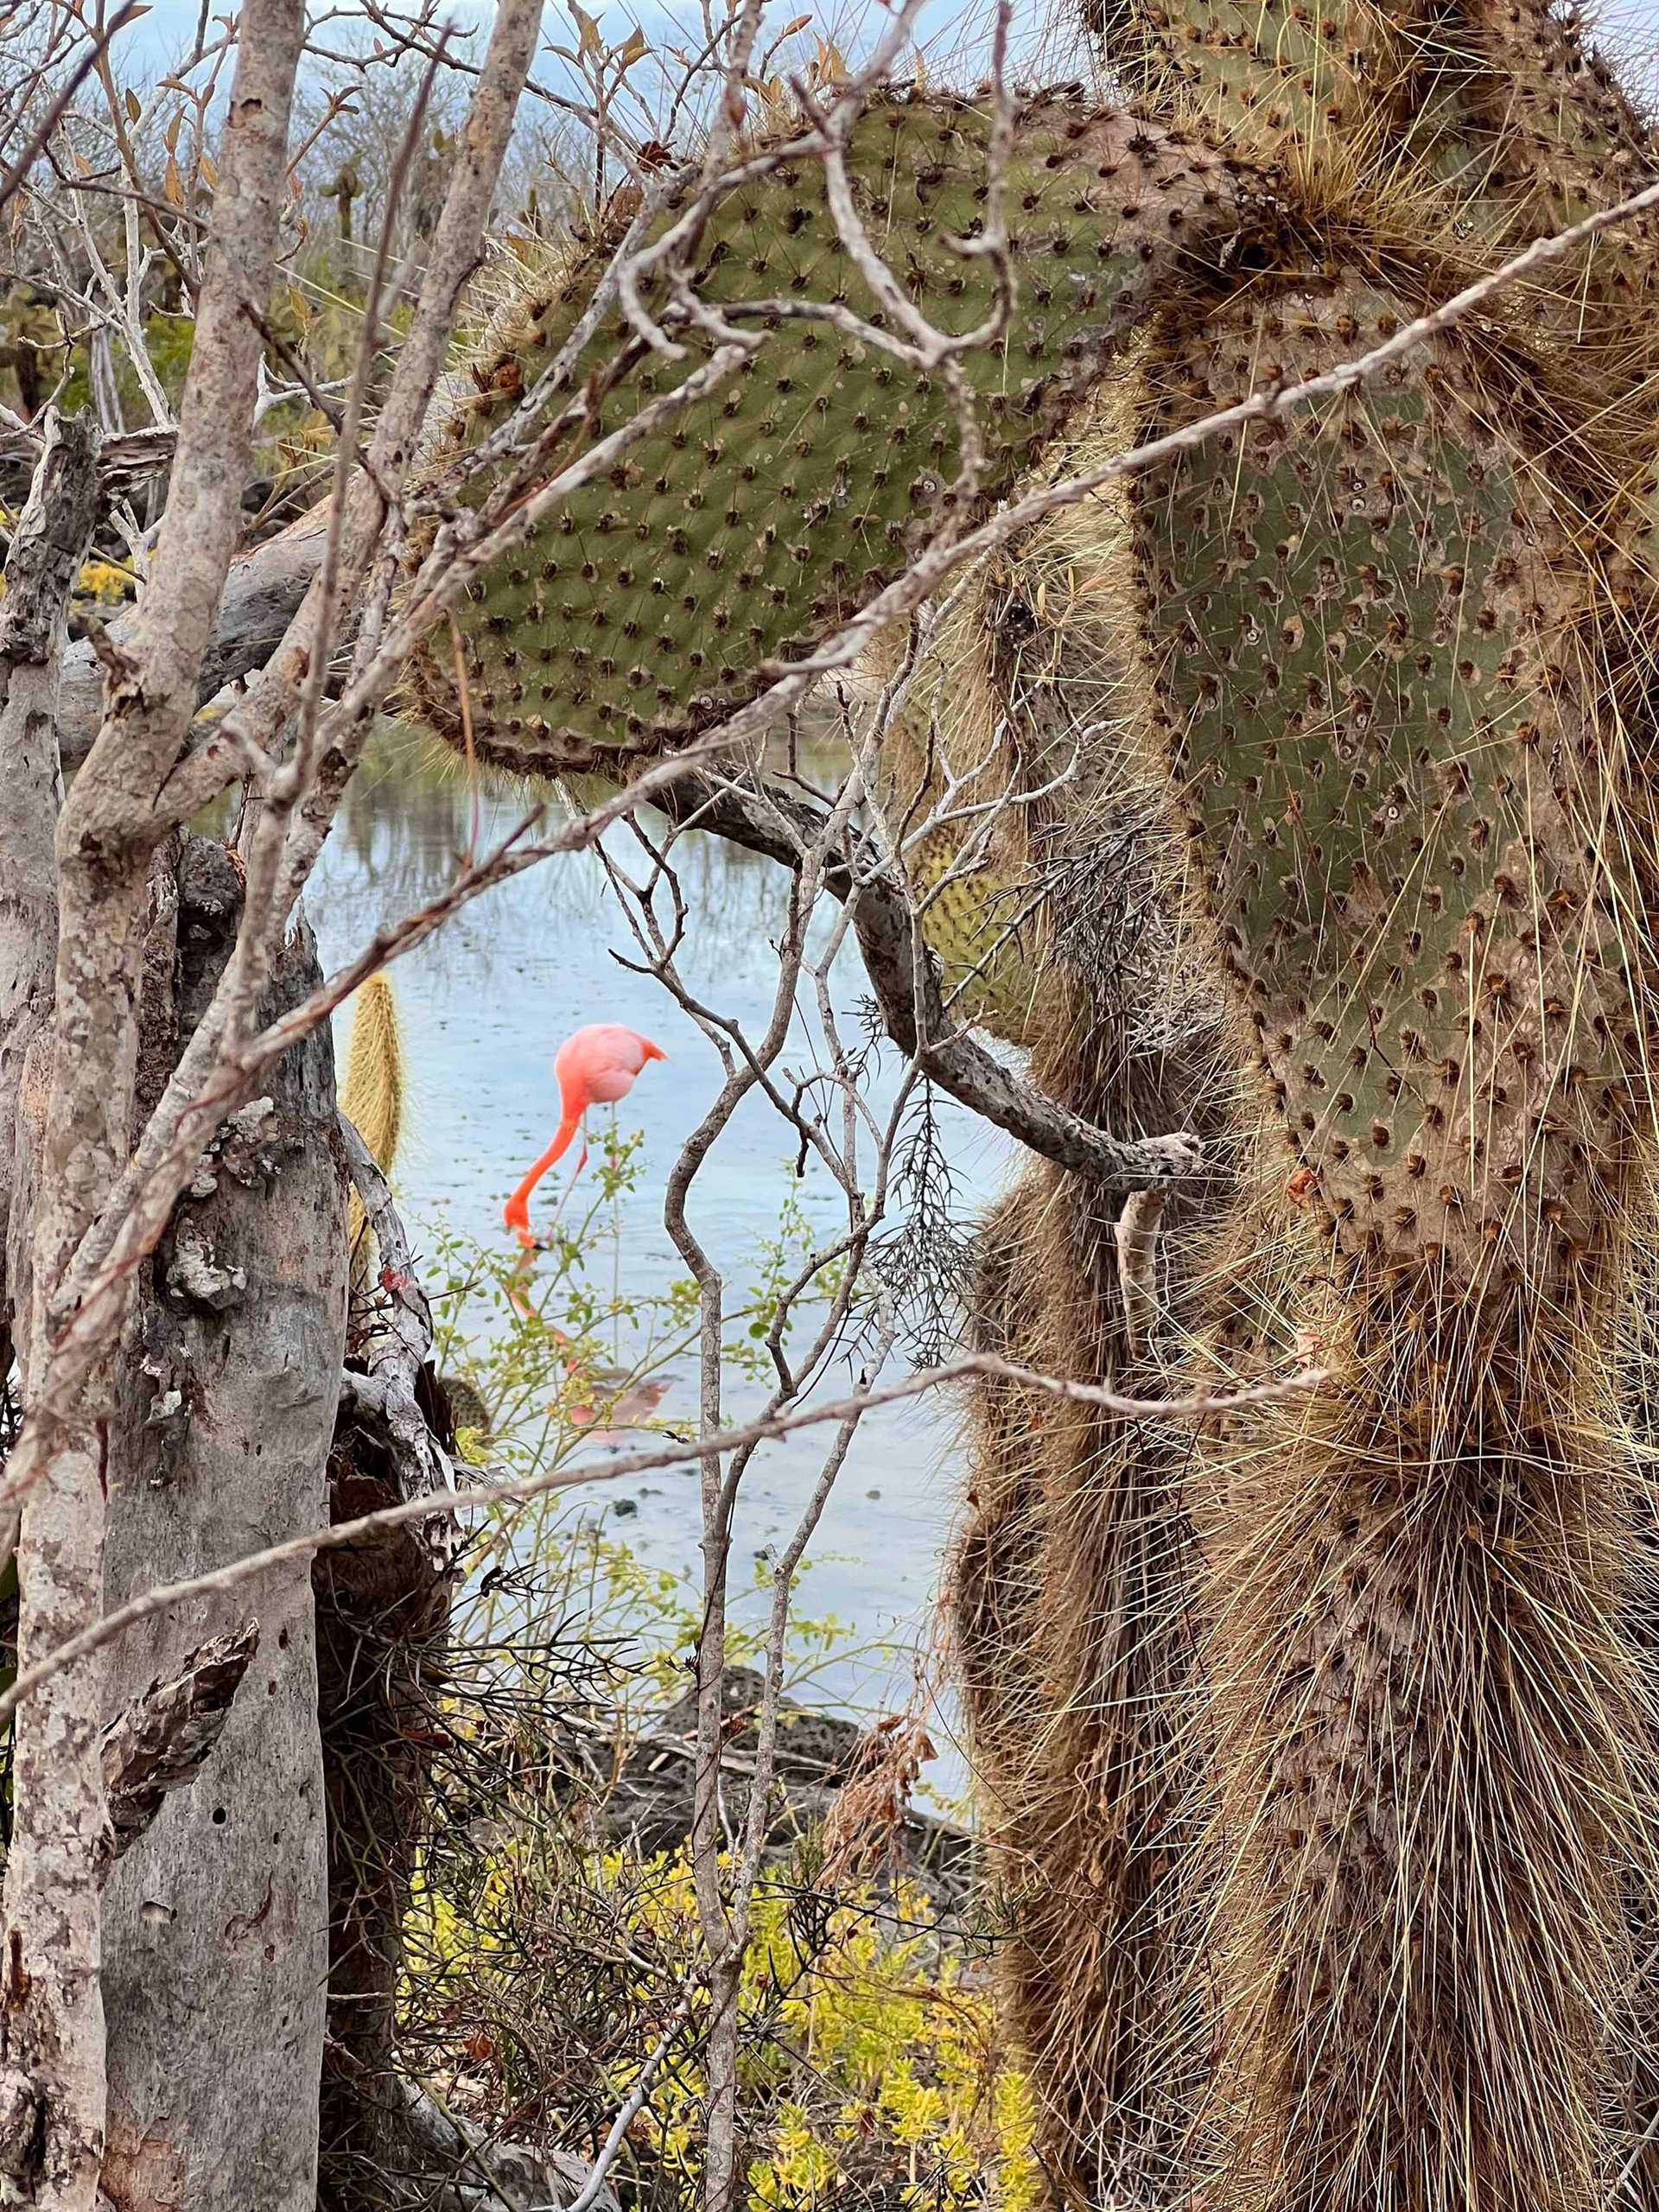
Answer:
[(215, 1944), (48, 546), (51, 2135), (382, 1618)]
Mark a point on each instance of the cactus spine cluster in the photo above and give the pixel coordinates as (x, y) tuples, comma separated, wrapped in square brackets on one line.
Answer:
[(1317, 1759), (373, 1095)]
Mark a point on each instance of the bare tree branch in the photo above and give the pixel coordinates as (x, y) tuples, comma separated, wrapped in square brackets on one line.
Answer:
[(1200, 1406), (263, 593), (768, 822), (399, 1350)]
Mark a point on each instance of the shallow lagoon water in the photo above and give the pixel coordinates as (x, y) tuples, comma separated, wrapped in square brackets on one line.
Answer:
[(485, 1003)]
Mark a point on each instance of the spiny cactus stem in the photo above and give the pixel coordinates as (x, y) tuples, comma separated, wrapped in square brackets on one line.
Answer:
[(912, 1005)]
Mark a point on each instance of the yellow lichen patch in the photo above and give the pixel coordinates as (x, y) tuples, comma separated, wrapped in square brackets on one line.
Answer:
[(108, 583)]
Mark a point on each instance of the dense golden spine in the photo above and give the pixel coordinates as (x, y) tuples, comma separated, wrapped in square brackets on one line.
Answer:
[(373, 1095), (1428, 1731), (1375, 674), (1071, 1625)]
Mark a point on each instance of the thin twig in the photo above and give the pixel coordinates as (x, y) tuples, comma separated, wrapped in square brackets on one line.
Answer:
[(1203, 1405)]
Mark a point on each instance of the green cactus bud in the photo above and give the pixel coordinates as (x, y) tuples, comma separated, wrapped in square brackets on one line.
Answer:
[(1551, 139), (1272, 77), (654, 601), (1480, 124)]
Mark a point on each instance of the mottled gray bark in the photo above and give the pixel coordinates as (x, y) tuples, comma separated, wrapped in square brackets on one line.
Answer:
[(215, 1934), (47, 547), (58, 1474), (183, 1351), (51, 2028)]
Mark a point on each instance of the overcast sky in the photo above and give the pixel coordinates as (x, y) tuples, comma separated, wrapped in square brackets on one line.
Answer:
[(955, 33)]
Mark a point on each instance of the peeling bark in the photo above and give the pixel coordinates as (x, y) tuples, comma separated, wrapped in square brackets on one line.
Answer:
[(383, 1620), (163, 1739)]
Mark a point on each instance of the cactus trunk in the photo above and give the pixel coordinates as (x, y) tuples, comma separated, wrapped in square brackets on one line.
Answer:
[(1317, 1759), (1073, 1628), (1375, 674)]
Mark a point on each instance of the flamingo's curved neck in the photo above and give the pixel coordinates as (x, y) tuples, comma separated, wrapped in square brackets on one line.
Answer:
[(518, 1206)]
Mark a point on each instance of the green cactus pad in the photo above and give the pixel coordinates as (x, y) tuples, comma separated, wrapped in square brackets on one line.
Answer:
[(1372, 696), (1276, 72), (746, 531), (1352, 87)]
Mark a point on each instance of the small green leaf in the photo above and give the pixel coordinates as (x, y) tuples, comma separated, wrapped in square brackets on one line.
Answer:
[(591, 42)]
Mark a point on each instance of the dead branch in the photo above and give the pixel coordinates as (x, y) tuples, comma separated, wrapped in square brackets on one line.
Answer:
[(399, 1350), (263, 593), (908, 989), (1201, 1405)]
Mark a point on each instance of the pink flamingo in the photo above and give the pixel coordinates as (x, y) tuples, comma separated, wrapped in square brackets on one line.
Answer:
[(595, 1066)]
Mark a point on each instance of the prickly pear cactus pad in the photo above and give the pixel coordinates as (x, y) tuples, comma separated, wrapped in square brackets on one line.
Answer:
[(1352, 94), (766, 514), (1377, 704), (1476, 124), (1558, 122), (1275, 75)]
